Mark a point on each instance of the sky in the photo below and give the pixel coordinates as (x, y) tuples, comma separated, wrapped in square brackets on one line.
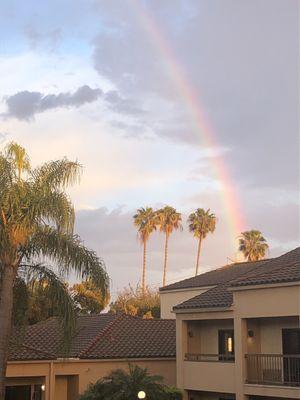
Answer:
[(188, 103)]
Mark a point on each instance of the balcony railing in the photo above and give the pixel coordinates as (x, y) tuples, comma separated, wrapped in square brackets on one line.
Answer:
[(209, 357), (273, 369)]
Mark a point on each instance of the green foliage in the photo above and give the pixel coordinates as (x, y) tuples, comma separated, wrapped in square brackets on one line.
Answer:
[(36, 221), (122, 385), (146, 221), (168, 220), (253, 245), (36, 298), (135, 301), (201, 222), (88, 298)]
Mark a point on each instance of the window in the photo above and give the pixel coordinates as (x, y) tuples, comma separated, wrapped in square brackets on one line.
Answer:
[(226, 345)]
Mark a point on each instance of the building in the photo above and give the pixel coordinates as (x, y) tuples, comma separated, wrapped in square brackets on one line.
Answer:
[(37, 369), (238, 330)]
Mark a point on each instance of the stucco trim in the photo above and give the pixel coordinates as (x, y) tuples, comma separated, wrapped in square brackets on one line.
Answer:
[(187, 289), (203, 310), (263, 286)]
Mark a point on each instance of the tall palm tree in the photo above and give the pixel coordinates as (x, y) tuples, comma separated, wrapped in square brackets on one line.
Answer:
[(253, 245), (168, 220), (145, 220), (36, 221), (201, 223)]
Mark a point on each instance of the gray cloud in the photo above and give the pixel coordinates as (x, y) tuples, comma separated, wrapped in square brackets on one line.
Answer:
[(24, 105), (121, 105), (242, 68)]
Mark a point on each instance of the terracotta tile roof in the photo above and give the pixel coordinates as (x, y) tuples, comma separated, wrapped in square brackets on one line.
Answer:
[(98, 336), (214, 277), (47, 336), (285, 268), (132, 337)]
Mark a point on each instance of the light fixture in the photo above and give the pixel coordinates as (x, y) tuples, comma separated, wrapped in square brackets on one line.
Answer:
[(250, 333), (229, 345), (141, 395), (43, 388)]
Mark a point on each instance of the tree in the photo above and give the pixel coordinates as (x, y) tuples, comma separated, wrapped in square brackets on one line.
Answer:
[(33, 301), (253, 245), (88, 298), (36, 221), (145, 220), (168, 220), (201, 223), (122, 385), (135, 301)]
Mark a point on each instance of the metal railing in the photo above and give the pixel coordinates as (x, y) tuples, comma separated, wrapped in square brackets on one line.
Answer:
[(273, 369), (209, 357)]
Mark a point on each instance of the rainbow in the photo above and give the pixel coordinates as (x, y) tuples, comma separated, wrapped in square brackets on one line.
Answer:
[(234, 215)]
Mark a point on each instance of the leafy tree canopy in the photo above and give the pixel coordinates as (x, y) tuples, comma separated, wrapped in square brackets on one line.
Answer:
[(135, 301)]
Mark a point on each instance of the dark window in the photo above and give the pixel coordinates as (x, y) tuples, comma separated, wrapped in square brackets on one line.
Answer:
[(18, 392), (290, 349), (226, 345)]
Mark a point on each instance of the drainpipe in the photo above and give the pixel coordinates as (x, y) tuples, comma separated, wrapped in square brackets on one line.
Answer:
[(50, 383)]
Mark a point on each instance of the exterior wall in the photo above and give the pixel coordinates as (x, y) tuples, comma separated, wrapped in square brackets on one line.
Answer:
[(60, 376), (271, 333), (169, 299), (267, 302), (61, 388), (205, 339), (209, 376), (266, 311)]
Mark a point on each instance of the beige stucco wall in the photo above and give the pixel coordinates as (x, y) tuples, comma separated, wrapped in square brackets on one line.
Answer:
[(61, 388), (267, 302), (170, 299), (209, 376), (87, 372), (205, 335)]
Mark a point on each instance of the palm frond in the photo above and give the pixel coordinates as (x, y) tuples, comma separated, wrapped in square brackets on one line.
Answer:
[(69, 253), (40, 274), (57, 174)]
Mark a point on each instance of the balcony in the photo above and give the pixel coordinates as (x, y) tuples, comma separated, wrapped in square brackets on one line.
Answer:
[(209, 357), (200, 372), (273, 369)]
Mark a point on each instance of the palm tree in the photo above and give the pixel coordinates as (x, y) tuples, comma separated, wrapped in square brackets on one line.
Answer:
[(201, 223), (145, 220), (36, 221), (168, 220), (253, 245), (122, 385)]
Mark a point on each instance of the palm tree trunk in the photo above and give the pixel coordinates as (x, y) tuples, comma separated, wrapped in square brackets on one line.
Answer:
[(198, 255), (6, 305), (166, 259), (144, 268)]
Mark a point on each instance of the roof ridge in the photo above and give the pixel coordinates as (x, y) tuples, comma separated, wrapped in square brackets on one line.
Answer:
[(223, 267), (100, 333)]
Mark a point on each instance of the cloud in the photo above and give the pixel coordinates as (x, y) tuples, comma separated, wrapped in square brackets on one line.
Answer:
[(24, 105), (241, 68), (121, 105)]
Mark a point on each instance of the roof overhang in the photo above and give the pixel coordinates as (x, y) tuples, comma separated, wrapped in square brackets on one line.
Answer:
[(188, 289), (263, 286)]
